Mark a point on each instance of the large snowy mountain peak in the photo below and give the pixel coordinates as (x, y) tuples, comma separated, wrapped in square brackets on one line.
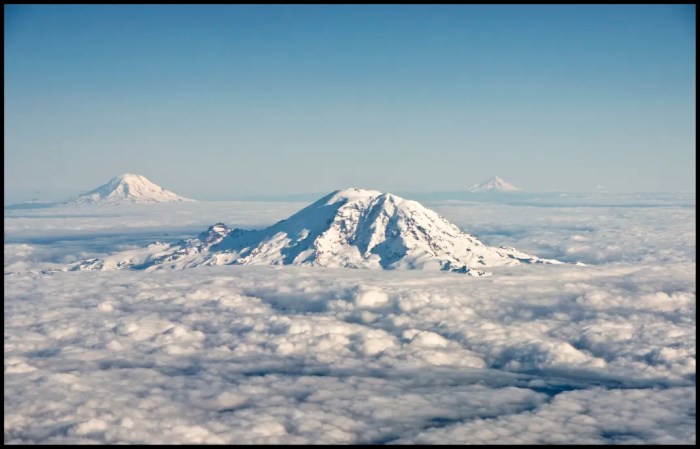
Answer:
[(495, 184), (351, 228), (128, 188)]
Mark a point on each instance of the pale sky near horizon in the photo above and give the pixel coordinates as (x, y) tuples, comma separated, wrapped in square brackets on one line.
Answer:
[(216, 101)]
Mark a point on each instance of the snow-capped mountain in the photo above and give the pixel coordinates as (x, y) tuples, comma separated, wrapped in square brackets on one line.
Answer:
[(125, 189), (349, 228), (494, 184)]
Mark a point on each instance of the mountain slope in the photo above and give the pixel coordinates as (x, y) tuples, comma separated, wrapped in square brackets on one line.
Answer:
[(494, 184), (127, 189), (349, 228)]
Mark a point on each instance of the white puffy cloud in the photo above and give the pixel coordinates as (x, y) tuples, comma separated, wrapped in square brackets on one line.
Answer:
[(213, 352), (588, 416)]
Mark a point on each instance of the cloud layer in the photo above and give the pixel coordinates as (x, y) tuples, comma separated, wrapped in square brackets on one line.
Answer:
[(603, 353), (284, 355)]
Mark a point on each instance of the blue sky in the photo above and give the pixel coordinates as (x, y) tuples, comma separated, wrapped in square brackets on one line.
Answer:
[(219, 101)]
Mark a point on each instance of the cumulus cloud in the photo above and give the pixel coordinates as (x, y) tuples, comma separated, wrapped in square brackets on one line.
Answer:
[(237, 354), (592, 416)]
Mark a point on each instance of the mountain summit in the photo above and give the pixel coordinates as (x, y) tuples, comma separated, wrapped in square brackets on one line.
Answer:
[(349, 228), (128, 188), (494, 184)]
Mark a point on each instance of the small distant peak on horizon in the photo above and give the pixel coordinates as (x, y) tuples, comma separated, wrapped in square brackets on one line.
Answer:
[(128, 188), (494, 184)]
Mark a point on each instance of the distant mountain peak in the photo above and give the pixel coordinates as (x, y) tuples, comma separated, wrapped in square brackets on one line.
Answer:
[(349, 228), (128, 188), (495, 184)]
